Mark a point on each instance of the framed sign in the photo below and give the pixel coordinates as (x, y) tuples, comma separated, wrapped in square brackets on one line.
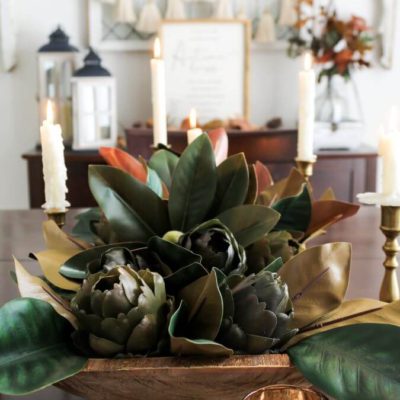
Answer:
[(207, 68)]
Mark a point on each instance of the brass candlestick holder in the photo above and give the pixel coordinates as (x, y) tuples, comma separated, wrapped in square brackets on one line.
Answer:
[(390, 226), (306, 167), (59, 217)]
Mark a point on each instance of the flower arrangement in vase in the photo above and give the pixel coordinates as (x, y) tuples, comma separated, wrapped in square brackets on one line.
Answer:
[(202, 255), (339, 47)]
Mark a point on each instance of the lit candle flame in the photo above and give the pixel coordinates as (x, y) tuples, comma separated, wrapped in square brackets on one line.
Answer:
[(50, 112), (308, 61), (157, 48), (193, 118)]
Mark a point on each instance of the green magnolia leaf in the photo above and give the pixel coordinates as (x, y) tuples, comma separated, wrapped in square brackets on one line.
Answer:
[(355, 362), (35, 347), (295, 211), (164, 163), (194, 347), (205, 307), (76, 266), (84, 227), (249, 223), (233, 183), (252, 192), (193, 186), (134, 211), (175, 256), (154, 182), (183, 277)]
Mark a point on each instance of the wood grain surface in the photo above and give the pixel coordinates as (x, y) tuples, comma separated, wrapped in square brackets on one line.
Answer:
[(182, 378)]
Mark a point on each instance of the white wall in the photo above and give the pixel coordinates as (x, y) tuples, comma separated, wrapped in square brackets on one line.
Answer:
[(273, 89)]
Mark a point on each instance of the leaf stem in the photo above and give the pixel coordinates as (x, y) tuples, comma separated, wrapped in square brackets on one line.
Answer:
[(336, 321), (313, 281)]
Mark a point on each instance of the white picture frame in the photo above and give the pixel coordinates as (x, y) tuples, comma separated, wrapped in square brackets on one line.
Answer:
[(96, 9), (207, 66)]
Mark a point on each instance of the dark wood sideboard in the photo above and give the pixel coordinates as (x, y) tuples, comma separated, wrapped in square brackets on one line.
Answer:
[(347, 172)]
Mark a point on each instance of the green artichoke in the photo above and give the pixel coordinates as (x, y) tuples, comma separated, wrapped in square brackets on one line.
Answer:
[(262, 311), (122, 311), (272, 246), (217, 246)]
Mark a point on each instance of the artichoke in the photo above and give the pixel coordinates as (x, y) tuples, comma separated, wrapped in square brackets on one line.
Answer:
[(122, 311), (275, 245), (262, 312), (217, 246)]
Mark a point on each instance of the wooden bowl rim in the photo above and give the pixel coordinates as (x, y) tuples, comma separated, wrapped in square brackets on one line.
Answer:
[(177, 363)]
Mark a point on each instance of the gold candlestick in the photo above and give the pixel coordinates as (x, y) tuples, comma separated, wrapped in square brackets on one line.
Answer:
[(306, 167), (57, 216), (390, 226)]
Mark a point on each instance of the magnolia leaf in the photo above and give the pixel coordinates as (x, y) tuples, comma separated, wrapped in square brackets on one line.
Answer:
[(264, 177), (164, 163), (84, 227), (354, 362), (220, 143), (251, 197), (275, 266), (175, 256), (320, 273), (327, 212), (249, 223), (35, 347), (288, 187), (122, 160), (50, 261), (56, 239), (183, 277), (353, 312), (193, 186), (154, 182), (35, 288), (76, 266), (205, 308), (295, 212), (329, 194), (134, 211), (233, 183), (192, 347)]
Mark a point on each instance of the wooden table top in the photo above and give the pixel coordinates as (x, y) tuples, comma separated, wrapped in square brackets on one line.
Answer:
[(20, 233)]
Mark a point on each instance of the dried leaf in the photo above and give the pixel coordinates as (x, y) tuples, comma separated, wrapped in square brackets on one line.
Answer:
[(329, 266), (34, 287), (220, 144), (329, 194), (327, 212), (50, 261), (264, 177), (55, 238), (120, 159)]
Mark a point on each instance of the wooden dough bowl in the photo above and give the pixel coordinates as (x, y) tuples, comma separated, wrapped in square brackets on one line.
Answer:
[(190, 379)]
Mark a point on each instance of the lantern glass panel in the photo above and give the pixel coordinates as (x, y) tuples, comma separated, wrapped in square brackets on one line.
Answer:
[(50, 74), (96, 113)]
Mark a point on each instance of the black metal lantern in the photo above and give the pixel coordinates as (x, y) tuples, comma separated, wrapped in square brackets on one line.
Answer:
[(94, 105), (56, 65)]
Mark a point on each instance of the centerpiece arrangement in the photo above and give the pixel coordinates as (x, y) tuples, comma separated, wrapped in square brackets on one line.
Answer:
[(196, 255)]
